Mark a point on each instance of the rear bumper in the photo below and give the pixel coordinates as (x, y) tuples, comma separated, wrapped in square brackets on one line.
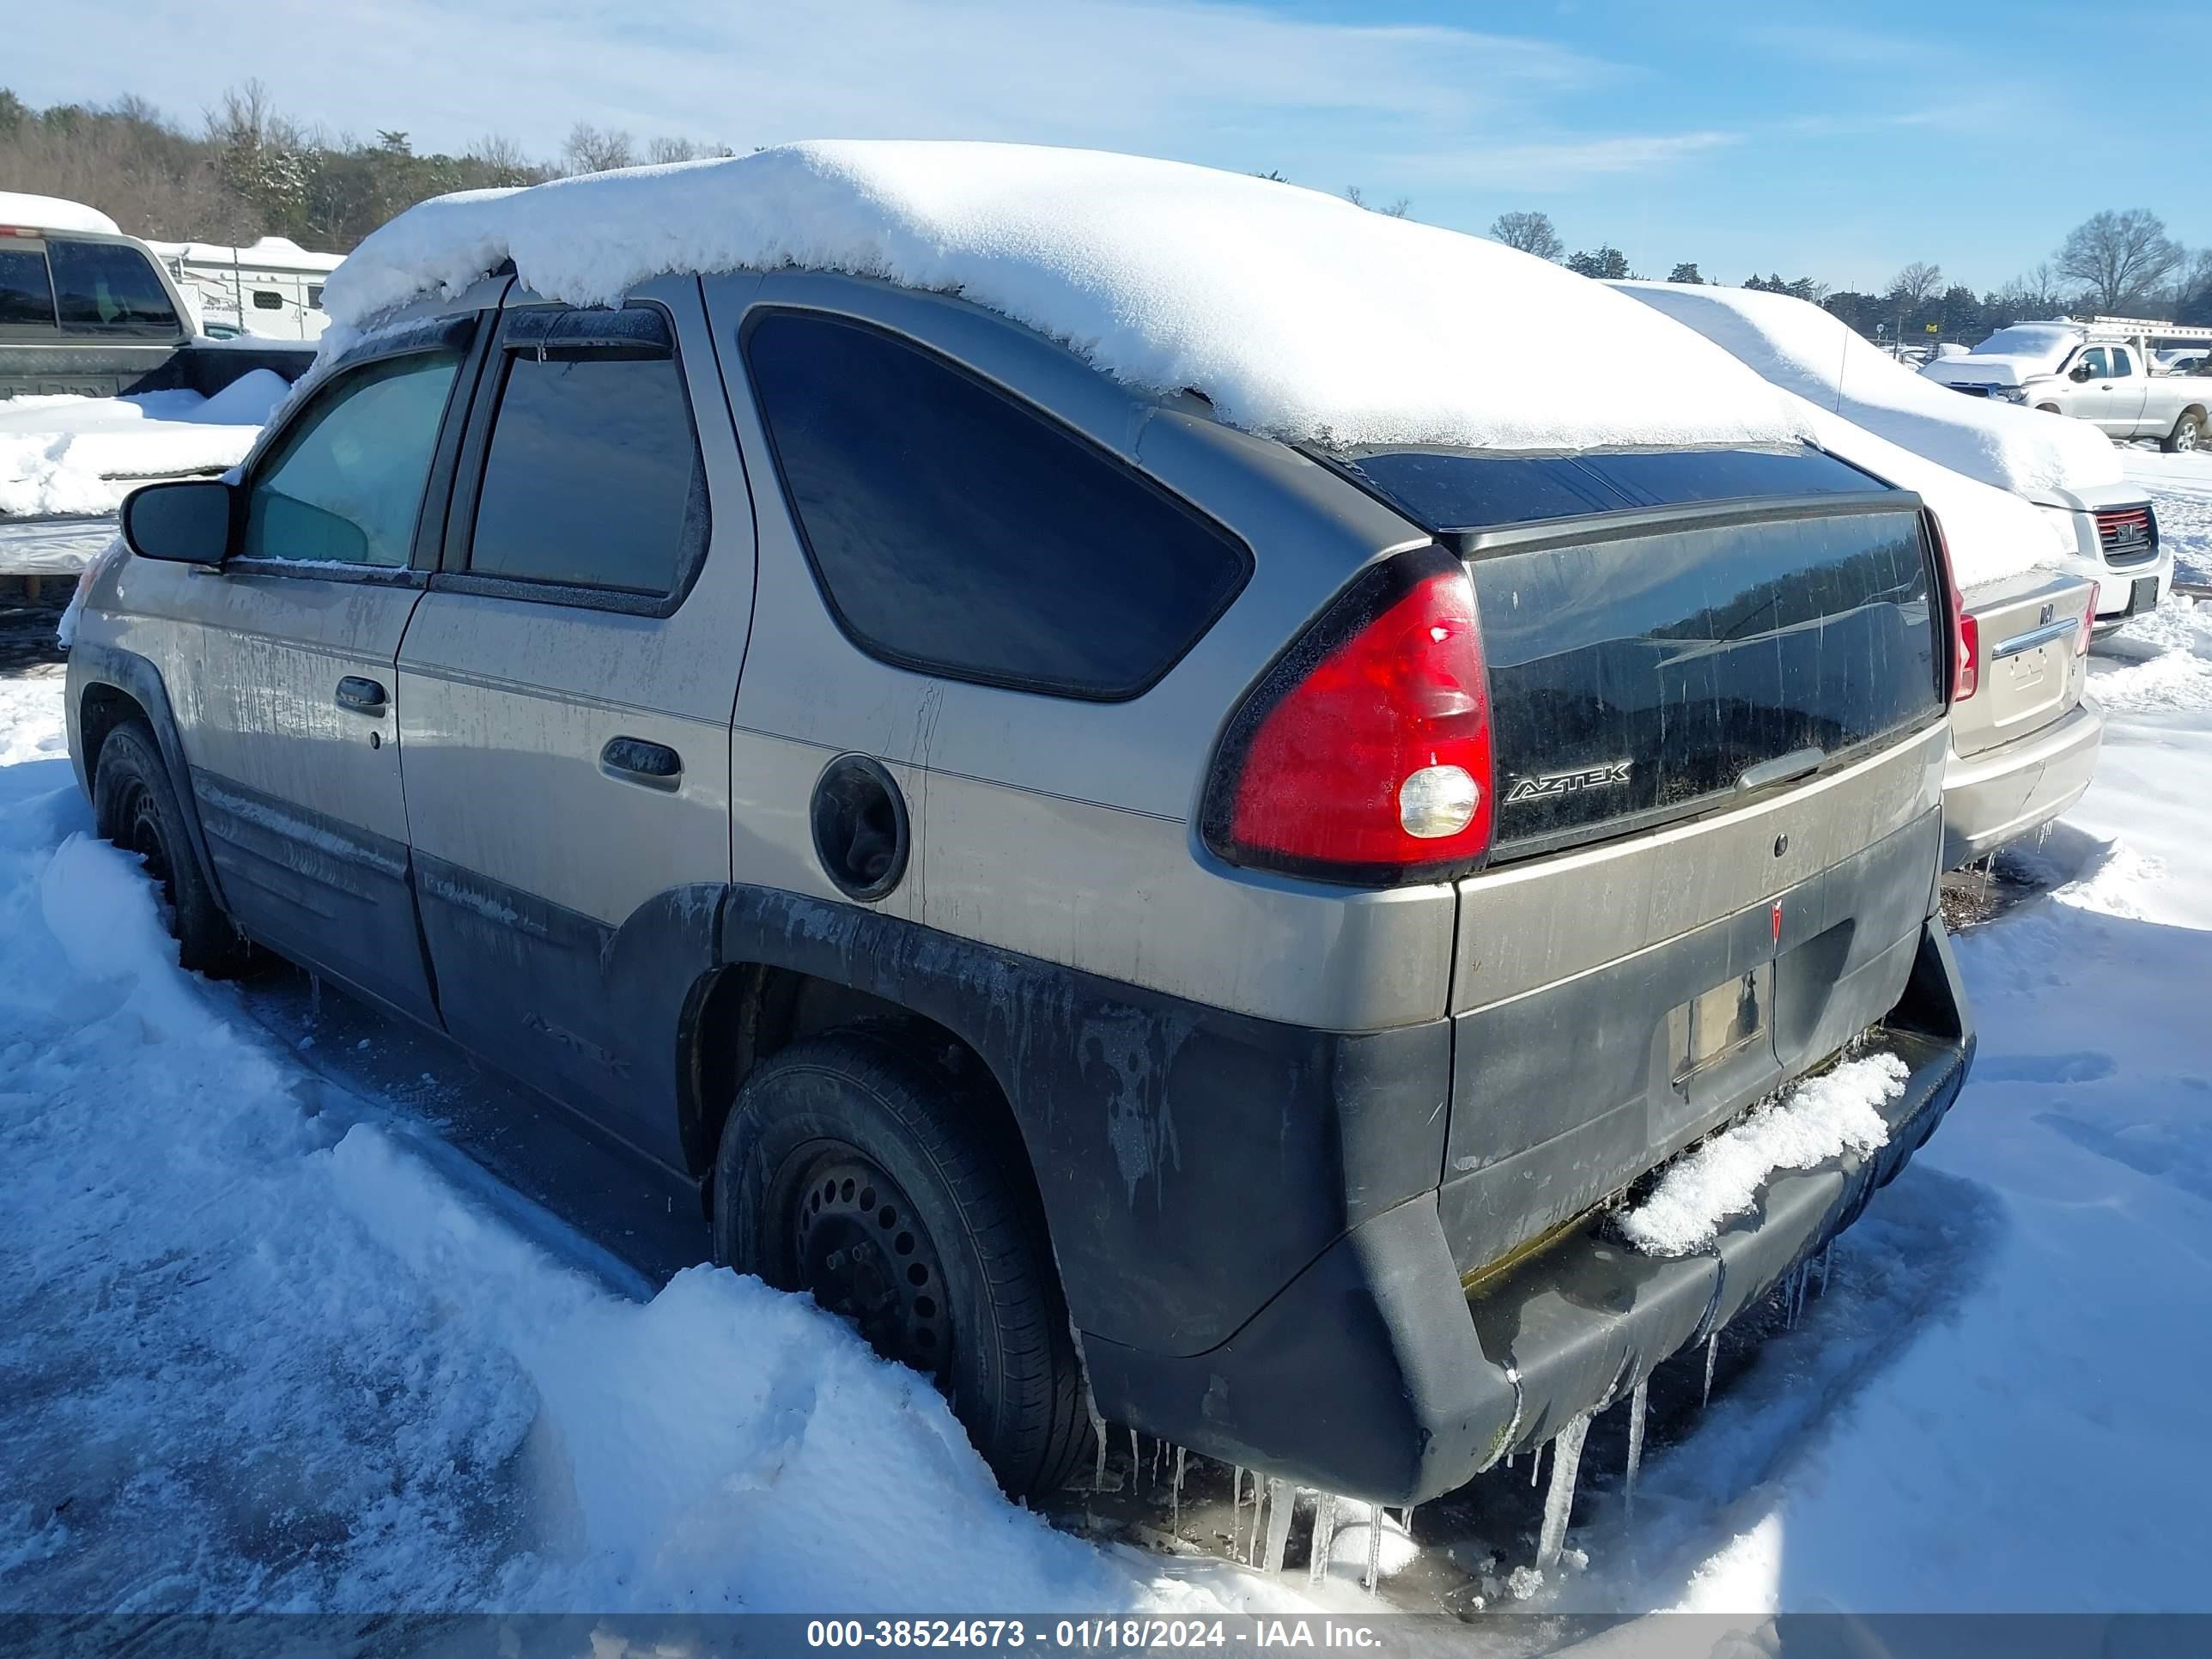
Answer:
[(1375, 1375), (2001, 795)]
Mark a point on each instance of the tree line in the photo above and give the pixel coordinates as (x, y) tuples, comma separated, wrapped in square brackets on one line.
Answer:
[(2115, 263), (250, 171)]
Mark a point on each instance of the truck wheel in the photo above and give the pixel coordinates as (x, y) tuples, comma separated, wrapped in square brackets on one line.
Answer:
[(2049, 409), (852, 1169), (135, 806), (2188, 432)]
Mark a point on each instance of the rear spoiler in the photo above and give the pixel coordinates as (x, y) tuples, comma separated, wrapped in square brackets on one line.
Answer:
[(1638, 521)]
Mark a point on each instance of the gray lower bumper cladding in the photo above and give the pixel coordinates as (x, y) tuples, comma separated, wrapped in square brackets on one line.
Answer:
[(1375, 1374)]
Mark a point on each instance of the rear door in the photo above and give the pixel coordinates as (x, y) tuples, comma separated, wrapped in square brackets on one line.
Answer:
[(285, 676), (1716, 703), (566, 689)]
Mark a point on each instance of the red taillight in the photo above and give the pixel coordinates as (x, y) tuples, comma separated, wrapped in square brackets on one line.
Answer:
[(1365, 754), (2088, 621), (1966, 631)]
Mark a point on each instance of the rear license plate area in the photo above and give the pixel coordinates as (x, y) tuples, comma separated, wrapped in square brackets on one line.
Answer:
[(2143, 595), (1722, 1022)]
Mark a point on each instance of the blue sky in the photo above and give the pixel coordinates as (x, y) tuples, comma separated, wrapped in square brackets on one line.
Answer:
[(1840, 144)]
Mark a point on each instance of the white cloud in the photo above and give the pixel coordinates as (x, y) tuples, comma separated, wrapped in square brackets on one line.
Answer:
[(1223, 82), (1536, 166)]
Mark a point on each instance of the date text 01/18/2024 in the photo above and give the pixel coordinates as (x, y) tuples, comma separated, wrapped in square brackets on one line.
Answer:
[(1124, 1634)]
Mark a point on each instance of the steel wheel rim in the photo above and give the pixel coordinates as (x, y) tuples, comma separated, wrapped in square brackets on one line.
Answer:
[(140, 834), (858, 1246)]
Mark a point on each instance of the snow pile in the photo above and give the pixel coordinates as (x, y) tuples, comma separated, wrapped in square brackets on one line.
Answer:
[(260, 1352), (2159, 664), (83, 455), (1297, 313), (1804, 350), (1820, 1118), (1992, 533)]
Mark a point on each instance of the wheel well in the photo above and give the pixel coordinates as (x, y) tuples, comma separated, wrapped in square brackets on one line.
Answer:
[(739, 1015), (103, 707)]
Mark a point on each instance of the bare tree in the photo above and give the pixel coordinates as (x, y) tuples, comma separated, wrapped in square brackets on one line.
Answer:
[(1531, 233), (1914, 285), (662, 151), (590, 151), (2031, 294), (503, 162), (1396, 209), (2121, 257)]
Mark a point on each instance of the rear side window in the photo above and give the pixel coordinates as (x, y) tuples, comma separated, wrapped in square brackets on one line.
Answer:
[(593, 477), (347, 480), (955, 530), (108, 287), (26, 294)]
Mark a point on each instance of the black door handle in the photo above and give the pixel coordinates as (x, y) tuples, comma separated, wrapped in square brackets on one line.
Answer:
[(363, 696), (634, 760)]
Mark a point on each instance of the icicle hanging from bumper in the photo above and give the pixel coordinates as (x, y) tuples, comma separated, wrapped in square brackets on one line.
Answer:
[(1280, 1502), (1324, 1534), (1560, 1500), (1637, 1403)]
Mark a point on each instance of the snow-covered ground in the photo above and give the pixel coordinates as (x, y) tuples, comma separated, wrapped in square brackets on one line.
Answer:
[(267, 1340)]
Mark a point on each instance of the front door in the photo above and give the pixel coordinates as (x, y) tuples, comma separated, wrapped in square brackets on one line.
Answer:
[(565, 698), (2125, 390), (288, 705)]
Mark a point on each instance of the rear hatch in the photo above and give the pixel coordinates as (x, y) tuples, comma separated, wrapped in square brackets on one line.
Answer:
[(1717, 684), (2030, 674)]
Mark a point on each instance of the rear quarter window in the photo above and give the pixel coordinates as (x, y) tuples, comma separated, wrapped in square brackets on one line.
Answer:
[(955, 530), (108, 288), (26, 297)]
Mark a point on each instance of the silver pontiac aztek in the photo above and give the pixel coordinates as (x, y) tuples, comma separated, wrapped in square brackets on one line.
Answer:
[(1127, 911)]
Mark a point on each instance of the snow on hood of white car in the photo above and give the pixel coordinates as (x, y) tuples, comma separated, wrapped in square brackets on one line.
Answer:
[(1802, 349), (1972, 368), (1296, 314)]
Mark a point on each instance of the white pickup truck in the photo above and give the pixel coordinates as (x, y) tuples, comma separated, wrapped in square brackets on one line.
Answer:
[(2104, 371)]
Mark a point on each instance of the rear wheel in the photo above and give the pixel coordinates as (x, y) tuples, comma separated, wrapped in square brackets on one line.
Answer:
[(135, 806), (852, 1169), (2188, 432)]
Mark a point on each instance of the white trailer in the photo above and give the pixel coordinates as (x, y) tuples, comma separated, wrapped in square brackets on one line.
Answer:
[(273, 288)]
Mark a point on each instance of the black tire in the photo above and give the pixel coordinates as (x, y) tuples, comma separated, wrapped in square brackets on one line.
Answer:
[(135, 806), (817, 1127), (2188, 432)]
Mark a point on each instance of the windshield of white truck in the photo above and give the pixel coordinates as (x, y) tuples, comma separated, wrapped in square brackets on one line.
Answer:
[(2034, 342)]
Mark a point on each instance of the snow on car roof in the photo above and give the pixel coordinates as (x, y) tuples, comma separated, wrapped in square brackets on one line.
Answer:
[(1802, 349), (53, 212), (1298, 314), (1992, 533)]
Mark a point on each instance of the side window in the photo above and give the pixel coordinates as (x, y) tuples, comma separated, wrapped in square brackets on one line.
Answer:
[(314, 296), (26, 293), (956, 531), (2093, 359), (346, 483), (109, 287), (2122, 363), (592, 477)]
